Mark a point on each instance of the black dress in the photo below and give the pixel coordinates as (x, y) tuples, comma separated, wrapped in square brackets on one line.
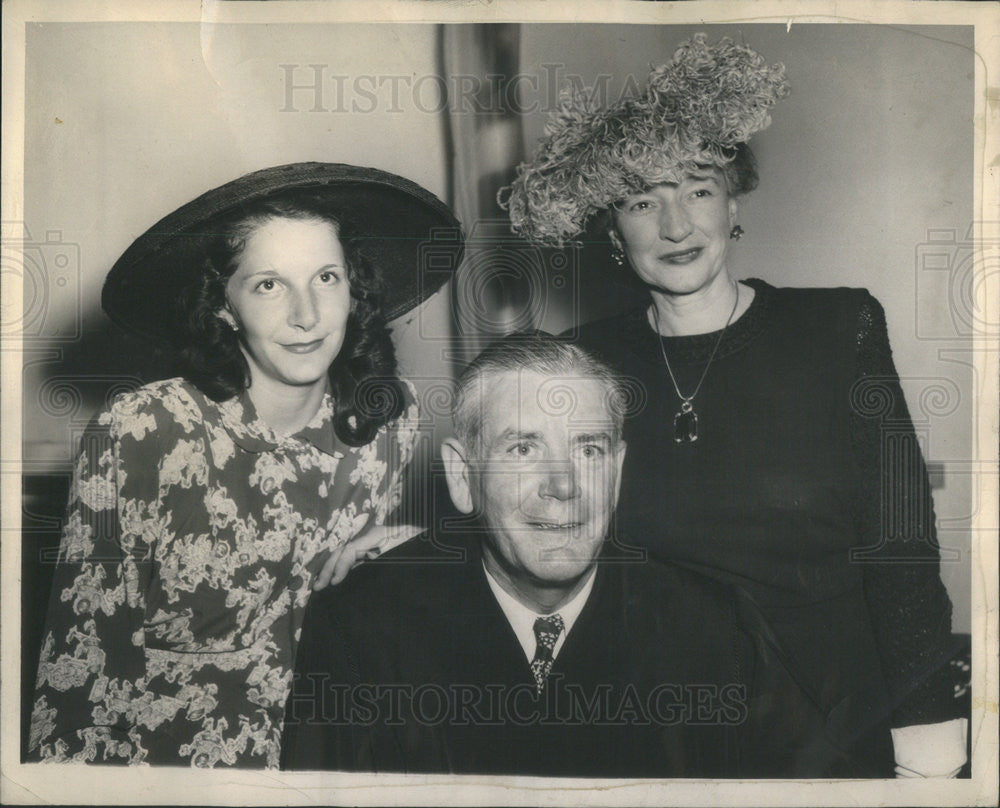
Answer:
[(806, 488)]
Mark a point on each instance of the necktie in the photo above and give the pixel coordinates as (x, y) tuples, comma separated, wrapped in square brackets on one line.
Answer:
[(547, 631)]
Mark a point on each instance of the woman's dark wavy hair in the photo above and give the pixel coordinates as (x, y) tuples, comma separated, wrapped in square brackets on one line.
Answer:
[(366, 390)]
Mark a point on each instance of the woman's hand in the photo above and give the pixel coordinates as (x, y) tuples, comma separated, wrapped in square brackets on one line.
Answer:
[(371, 542)]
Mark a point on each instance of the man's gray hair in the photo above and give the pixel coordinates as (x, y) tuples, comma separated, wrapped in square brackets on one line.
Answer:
[(538, 352)]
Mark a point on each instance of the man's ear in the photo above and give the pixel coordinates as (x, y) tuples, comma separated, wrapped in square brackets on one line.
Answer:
[(619, 464), (458, 474)]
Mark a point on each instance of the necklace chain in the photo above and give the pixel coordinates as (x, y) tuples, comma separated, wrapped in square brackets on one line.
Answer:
[(686, 405)]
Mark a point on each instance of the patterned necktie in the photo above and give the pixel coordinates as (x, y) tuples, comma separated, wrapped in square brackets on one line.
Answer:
[(547, 631)]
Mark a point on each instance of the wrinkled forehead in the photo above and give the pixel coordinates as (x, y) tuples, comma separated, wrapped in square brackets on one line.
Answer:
[(672, 176), (529, 400)]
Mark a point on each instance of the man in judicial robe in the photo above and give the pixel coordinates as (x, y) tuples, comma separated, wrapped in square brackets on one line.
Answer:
[(519, 638)]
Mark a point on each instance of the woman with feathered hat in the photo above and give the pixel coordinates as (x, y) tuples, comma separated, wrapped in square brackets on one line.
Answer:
[(758, 455), (205, 508)]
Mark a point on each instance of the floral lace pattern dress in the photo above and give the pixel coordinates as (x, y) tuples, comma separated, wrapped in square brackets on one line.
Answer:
[(193, 536)]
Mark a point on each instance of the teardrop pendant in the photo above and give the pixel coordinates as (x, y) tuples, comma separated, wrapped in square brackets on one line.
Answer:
[(686, 424)]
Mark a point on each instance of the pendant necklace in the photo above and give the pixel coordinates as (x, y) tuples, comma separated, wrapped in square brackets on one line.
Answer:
[(686, 421)]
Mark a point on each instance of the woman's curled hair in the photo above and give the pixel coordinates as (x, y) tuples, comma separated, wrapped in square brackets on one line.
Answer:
[(363, 381)]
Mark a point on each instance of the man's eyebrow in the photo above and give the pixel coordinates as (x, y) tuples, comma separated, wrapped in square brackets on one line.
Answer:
[(704, 178), (509, 434)]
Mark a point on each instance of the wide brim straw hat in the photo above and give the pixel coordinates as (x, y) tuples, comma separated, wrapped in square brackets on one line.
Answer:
[(409, 234)]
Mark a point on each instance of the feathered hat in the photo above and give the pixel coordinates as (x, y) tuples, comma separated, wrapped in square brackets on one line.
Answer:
[(695, 110)]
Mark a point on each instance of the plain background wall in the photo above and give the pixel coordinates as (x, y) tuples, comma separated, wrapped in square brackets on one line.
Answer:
[(872, 151)]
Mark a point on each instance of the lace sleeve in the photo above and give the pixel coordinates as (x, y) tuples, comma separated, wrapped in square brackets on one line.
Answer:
[(909, 607)]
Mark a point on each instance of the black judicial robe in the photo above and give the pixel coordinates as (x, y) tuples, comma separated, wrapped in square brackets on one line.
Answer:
[(411, 666)]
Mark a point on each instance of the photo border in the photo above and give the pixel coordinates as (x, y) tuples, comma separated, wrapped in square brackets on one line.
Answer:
[(31, 783)]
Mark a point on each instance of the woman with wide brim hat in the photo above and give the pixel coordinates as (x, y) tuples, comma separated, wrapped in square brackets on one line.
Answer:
[(204, 509), (759, 455)]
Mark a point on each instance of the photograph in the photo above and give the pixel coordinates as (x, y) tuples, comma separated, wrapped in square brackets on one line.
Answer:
[(499, 403)]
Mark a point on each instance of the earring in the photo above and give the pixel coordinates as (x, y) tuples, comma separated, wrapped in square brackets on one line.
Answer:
[(736, 233), (618, 256)]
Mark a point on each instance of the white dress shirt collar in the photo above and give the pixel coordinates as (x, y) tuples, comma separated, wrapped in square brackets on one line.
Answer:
[(522, 619)]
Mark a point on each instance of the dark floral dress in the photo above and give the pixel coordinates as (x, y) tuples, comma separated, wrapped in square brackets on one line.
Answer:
[(193, 536)]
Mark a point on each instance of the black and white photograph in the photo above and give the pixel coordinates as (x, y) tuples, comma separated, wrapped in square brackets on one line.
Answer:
[(509, 402)]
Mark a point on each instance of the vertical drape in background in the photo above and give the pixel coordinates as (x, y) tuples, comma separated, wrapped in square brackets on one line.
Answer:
[(504, 284)]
